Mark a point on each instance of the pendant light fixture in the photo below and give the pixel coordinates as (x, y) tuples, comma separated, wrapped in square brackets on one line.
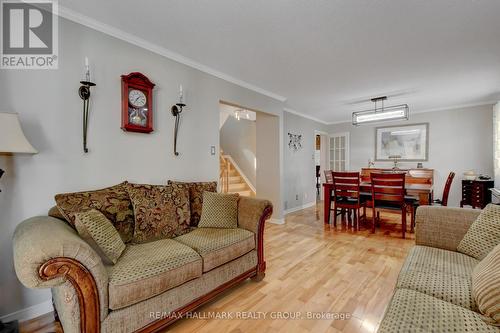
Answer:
[(381, 113)]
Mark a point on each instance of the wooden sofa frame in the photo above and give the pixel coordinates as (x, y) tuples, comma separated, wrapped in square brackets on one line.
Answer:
[(88, 297)]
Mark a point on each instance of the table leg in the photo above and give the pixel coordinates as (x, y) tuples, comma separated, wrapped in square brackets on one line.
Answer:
[(326, 203)]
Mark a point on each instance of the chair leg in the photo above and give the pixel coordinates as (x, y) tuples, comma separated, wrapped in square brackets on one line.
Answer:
[(334, 214), (403, 220), (358, 218), (373, 219), (329, 211), (413, 215), (349, 221), (355, 218)]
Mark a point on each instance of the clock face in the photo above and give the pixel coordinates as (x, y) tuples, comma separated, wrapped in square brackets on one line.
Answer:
[(136, 98)]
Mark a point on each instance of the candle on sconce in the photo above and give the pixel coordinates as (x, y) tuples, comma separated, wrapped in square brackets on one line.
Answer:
[(181, 94), (87, 69)]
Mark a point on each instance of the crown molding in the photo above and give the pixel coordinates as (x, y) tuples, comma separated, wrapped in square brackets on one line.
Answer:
[(305, 116), (89, 22)]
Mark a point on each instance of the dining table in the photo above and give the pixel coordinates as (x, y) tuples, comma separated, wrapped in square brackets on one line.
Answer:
[(422, 194)]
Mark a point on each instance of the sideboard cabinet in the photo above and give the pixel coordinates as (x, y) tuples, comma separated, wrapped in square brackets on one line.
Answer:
[(476, 193)]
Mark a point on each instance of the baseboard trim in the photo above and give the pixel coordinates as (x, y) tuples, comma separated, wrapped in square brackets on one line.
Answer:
[(276, 221), (304, 206), (28, 313)]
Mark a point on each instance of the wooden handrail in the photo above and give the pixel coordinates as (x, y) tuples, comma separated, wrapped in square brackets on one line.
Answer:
[(224, 174)]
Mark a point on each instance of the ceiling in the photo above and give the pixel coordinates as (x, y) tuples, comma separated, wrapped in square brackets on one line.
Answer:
[(328, 57)]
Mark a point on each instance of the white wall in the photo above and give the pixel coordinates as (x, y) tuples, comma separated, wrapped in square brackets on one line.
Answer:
[(300, 173), (496, 143), (459, 140), (50, 112), (237, 138)]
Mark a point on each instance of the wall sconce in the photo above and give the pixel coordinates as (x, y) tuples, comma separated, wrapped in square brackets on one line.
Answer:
[(84, 93), (176, 112)]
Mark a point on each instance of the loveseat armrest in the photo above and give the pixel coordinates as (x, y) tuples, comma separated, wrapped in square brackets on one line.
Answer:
[(443, 227), (48, 252), (252, 215)]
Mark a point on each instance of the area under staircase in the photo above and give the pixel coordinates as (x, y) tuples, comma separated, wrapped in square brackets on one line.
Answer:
[(231, 179)]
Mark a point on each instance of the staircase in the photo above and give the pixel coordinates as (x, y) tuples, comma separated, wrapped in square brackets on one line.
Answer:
[(231, 180)]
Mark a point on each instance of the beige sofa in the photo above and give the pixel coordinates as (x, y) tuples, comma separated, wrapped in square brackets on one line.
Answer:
[(152, 284), (433, 292)]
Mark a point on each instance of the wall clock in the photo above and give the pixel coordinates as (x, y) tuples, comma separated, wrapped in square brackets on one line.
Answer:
[(137, 103)]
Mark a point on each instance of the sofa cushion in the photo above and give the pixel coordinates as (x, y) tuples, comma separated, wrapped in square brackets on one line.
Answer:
[(483, 235), (160, 211), (146, 270), (440, 273), (114, 202), (196, 190), (432, 260), (218, 246), (220, 210), (447, 287), (486, 285), (412, 311), (101, 235)]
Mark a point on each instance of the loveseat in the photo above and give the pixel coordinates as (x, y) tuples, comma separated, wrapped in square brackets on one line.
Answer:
[(152, 283), (435, 290)]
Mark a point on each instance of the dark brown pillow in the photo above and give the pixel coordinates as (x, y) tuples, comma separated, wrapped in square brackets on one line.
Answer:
[(55, 212), (114, 202), (160, 211), (196, 190)]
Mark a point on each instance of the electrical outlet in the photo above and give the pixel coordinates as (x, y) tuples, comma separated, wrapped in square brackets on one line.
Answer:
[(212, 150)]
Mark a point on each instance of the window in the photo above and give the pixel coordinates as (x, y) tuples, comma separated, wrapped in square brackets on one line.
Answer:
[(339, 152)]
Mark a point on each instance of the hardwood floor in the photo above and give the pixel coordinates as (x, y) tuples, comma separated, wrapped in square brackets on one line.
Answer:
[(310, 268)]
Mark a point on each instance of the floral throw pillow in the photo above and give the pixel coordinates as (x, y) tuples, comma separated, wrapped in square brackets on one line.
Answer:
[(160, 211), (196, 190), (114, 202)]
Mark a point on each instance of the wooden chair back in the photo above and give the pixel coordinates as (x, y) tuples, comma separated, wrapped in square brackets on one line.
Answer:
[(388, 187), (447, 187), (345, 185), (328, 176)]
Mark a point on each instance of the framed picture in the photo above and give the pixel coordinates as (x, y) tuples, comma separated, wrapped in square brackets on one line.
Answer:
[(404, 143)]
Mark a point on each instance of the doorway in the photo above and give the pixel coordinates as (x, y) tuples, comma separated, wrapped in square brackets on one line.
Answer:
[(267, 160), (321, 160)]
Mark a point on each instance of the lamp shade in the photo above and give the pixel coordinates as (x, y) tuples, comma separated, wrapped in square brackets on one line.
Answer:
[(12, 139)]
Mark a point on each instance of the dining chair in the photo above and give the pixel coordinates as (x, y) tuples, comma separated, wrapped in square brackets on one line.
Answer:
[(328, 176), (346, 195), (329, 179), (388, 193), (446, 191)]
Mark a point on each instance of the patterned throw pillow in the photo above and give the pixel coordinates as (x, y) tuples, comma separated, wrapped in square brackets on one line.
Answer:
[(114, 202), (483, 235), (486, 285), (196, 190), (101, 235), (219, 210), (160, 211)]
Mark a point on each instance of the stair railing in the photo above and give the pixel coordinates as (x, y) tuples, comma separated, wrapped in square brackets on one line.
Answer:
[(224, 174)]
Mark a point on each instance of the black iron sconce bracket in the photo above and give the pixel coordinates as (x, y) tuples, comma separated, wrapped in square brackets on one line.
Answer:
[(176, 112), (84, 93), (1, 173)]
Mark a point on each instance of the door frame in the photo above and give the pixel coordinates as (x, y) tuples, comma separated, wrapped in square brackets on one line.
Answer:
[(327, 162), (347, 136)]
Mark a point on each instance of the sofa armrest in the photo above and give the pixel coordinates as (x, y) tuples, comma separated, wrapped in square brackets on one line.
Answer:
[(252, 215), (48, 252), (443, 227)]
